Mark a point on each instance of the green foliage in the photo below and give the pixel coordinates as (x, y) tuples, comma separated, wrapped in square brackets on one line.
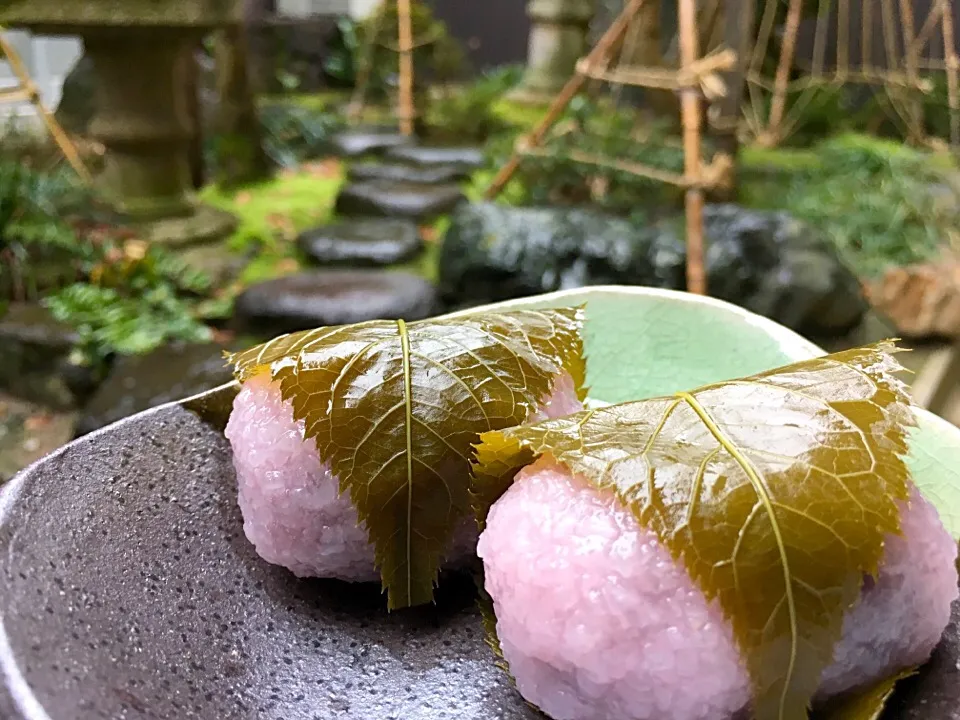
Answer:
[(340, 64), (37, 249), (119, 294), (133, 298), (882, 203), (271, 213), (852, 108), (437, 54), (470, 114), (109, 321), (593, 129), (294, 133)]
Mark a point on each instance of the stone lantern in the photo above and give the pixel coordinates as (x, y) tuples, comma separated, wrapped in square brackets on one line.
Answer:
[(141, 117), (558, 38)]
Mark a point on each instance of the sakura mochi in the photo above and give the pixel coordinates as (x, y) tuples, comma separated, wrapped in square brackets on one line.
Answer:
[(293, 511), (598, 622)]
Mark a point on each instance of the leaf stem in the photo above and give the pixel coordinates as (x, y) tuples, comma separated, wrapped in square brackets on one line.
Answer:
[(408, 403), (764, 498)]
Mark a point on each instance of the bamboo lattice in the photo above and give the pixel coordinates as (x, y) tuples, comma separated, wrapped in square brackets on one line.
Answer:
[(911, 51), (696, 78)]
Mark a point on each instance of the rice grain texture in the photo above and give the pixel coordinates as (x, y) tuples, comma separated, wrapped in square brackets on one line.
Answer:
[(292, 510), (598, 622)]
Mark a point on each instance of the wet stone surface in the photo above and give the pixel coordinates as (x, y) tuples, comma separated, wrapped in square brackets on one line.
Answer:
[(465, 158), (161, 608), (28, 432), (367, 242), (315, 298), (34, 358), (367, 141), (136, 383), (400, 172), (403, 200), (767, 262)]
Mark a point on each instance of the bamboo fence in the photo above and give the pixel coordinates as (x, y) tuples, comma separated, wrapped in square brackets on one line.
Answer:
[(910, 56), (696, 78)]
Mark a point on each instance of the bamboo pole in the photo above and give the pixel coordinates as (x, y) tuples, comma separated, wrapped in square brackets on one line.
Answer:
[(953, 63), (690, 115), (779, 103), (405, 31), (910, 57), (737, 31), (365, 65), (605, 46)]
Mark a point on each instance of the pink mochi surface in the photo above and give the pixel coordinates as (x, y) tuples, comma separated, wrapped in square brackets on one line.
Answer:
[(293, 512), (598, 622)]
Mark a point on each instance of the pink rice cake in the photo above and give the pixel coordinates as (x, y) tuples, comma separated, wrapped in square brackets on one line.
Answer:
[(598, 622), (292, 510)]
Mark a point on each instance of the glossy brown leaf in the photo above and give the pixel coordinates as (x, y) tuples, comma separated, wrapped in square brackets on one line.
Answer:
[(396, 408), (775, 491)]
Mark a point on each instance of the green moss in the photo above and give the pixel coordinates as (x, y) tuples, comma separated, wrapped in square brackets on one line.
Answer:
[(777, 159), (274, 211), (520, 115), (318, 101)]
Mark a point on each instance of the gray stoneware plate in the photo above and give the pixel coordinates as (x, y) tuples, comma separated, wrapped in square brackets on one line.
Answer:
[(128, 590)]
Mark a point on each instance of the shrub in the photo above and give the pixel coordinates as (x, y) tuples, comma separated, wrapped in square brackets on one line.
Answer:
[(882, 203)]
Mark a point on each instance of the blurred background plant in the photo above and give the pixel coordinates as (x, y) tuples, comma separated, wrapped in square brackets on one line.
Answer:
[(597, 128), (120, 295), (882, 203), (469, 113)]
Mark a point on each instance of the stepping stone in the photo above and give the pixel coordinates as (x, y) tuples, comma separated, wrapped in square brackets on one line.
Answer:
[(399, 172), (356, 143), (139, 382), (35, 358), (317, 298), (362, 242), (397, 200), (466, 158)]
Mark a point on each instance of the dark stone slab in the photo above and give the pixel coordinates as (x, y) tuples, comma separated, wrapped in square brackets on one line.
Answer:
[(356, 143), (35, 358), (317, 298), (401, 200), (467, 158), (136, 383), (767, 262), (399, 172), (358, 243), (77, 106)]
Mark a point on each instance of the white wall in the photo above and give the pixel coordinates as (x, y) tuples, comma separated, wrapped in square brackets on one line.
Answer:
[(47, 59), (361, 8), (302, 8), (298, 8)]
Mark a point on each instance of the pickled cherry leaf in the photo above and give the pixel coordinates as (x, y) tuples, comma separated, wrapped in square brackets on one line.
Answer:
[(867, 704), (775, 491), (395, 409)]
